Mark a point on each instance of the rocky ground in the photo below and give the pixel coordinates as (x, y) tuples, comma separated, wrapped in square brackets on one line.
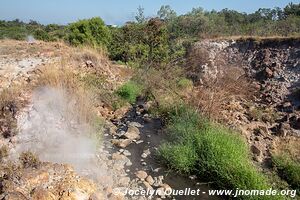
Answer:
[(18, 60), (72, 164)]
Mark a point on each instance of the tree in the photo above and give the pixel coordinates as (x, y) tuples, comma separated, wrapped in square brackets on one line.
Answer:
[(292, 9), (140, 17), (166, 13), (90, 32), (157, 40), (127, 43)]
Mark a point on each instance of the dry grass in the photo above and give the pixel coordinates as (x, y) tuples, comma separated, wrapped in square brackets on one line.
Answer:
[(29, 159), (3, 152), (162, 84), (289, 146), (10, 103), (84, 53), (21, 49), (67, 80), (216, 81), (214, 94)]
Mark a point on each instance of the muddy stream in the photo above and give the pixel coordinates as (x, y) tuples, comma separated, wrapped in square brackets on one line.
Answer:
[(153, 136)]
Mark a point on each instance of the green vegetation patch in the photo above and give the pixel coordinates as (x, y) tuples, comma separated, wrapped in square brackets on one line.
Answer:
[(288, 170), (185, 83), (130, 91), (91, 32), (211, 151)]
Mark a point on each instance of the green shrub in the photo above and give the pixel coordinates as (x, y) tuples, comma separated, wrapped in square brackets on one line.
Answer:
[(41, 34), (129, 91), (211, 151), (288, 169), (92, 32)]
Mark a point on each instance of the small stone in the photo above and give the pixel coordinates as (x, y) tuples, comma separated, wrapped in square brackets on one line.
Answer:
[(141, 174), (144, 163), (150, 180), (287, 104), (283, 129), (132, 133), (268, 72), (135, 124), (256, 150), (89, 63), (147, 151), (124, 181), (112, 129), (122, 143), (147, 185), (117, 156), (144, 155), (157, 170), (127, 153), (128, 163)]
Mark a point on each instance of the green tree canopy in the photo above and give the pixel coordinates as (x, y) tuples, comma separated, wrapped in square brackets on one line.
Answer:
[(89, 32), (166, 13)]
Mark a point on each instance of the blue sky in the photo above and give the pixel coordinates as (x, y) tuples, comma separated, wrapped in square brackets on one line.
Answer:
[(116, 11)]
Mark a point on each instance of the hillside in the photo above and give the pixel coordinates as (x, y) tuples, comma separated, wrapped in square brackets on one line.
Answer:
[(198, 105)]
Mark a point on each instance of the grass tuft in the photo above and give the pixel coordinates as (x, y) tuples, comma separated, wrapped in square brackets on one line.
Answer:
[(184, 83), (213, 152), (130, 91), (288, 170)]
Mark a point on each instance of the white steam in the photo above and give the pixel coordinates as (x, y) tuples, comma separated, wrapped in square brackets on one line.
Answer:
[(51, 129), (30, 39)]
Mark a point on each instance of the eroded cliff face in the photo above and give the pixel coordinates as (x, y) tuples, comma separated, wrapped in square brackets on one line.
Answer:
[(272, 66)]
